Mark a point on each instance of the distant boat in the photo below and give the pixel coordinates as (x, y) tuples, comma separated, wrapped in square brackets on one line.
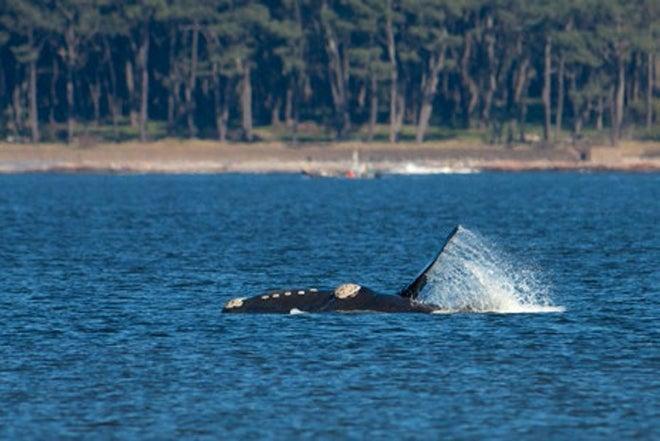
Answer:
[(357, 170)]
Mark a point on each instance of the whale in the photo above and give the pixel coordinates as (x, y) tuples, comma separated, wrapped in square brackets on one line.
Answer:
[(347, 297)]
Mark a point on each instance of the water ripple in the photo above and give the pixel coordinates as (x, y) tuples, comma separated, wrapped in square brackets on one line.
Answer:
[(111, 288)]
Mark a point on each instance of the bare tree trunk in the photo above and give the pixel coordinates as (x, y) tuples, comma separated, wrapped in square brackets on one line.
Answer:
[(288, 105), (246, 102), (492, 73), (299, 89), (560, 97), (649, 89), (520, 96), (105, 86), (170, 111), (600, 109), (291, 104), (394, 75), (430, 86), (401, 110), (3, 86), (172, 77), (636, 80), (17, 110), (362, 96), (224, 118), (130, 87), (511, 134), (173, 102), (575, 104), (373, 108), (577, 127), (612, 100), (458, 99), (34, 115), (276, 105), (415, 105), (523, 120), (345, 74), (547, 88), (70, 104), (488, 98), (338, 75), (55, 74), (581, 114), (294, 127), (190, 86), (71, 58), (12, 123), (468, 81), (620, 96), (338, 86), (143, 60), (112, 92), (221, 104), (95, 96), (217, 97)]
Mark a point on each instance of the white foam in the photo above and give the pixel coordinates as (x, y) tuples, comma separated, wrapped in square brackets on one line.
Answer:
[(412, 168), (296, 311), (472, 276)]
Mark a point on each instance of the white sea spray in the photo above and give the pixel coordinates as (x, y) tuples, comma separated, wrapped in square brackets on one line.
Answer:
[(472, 275)]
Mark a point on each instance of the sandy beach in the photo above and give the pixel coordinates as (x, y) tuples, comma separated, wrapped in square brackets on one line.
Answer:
[(197, 156)]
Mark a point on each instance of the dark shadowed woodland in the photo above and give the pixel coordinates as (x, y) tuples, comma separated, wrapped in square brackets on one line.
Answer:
[(305, 70)]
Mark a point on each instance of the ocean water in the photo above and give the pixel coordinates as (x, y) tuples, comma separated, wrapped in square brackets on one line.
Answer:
[(111, 289)]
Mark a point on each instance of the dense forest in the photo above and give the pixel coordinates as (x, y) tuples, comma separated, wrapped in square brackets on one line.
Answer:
[(220, 68)]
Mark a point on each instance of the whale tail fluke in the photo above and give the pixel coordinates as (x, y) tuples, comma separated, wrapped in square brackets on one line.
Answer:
[(413, 289)]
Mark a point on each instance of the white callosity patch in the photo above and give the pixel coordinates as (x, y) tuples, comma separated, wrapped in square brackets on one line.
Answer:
[(470, 275), (234, 303), (347, 290)]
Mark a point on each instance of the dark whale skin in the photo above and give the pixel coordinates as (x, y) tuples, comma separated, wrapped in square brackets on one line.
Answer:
[(305, 300)]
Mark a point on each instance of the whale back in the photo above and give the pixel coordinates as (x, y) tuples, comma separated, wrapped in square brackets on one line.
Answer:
[(412, 290)]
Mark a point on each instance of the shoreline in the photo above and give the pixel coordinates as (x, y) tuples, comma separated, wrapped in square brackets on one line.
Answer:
[(197, 156)]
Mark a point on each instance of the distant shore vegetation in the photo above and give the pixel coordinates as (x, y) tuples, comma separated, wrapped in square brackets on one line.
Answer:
[(546, 72)]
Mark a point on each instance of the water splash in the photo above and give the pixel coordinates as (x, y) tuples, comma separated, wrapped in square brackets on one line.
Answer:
[(472, 275)]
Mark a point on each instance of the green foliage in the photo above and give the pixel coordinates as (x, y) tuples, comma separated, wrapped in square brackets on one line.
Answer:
[(492, 55), (29, 22)]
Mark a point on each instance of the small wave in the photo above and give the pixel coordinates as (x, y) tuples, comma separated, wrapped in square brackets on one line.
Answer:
[(471, 275), (523, 309)]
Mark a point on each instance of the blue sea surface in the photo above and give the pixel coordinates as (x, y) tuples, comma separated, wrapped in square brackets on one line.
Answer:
[(111, 289)]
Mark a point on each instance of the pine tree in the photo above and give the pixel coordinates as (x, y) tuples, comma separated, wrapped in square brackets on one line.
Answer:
[(290, 49), (139, 16), (28, 20), (238, 33), (429, 30)]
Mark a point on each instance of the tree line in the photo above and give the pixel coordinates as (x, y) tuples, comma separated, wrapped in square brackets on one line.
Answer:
[(217, 68)]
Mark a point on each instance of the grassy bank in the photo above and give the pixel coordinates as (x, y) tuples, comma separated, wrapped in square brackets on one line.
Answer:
[(90, 135)]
